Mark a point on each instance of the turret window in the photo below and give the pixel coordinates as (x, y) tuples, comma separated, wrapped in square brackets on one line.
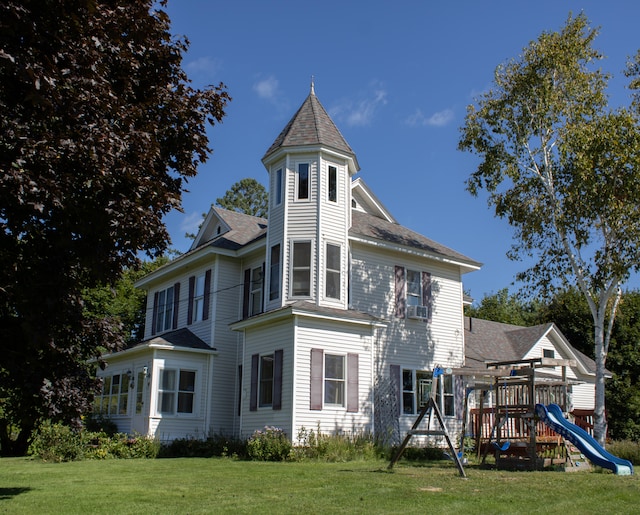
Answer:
[(332, 277), (301, 283), (332, 190), (303, 181), (278, 187)]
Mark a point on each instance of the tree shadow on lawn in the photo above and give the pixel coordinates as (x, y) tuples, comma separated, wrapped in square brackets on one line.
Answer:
[(8, 493)]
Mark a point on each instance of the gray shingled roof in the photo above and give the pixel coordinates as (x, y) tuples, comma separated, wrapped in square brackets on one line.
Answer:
[(311, 125), (486, 340), (369, 226), (180, 338), (244, 229)]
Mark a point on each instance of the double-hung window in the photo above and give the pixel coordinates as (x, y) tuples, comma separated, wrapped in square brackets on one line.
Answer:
[(303, 181), (414, 288), (255, 306), (274, 273), (266, 381), (198, 299), (332, 276), (164, 309), (114, 397), (176, 391), (301, 272), (413, 294), (334, 380)]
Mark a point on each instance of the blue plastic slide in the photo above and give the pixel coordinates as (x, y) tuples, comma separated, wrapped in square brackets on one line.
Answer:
[(552, 416)]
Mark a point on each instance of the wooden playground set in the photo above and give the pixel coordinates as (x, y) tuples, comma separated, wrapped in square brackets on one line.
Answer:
[(505, 424)]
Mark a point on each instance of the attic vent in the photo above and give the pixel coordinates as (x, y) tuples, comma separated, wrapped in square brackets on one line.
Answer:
[(218, 230), (353, 204)]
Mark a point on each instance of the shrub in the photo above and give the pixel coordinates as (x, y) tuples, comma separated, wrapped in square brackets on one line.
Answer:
[(214, 445), (625, 449), (57, 443), (335, 448), (100, 424), (269, 444)]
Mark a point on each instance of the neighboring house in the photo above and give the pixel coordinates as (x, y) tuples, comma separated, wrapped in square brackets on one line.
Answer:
[(488, 341), (330, 316)]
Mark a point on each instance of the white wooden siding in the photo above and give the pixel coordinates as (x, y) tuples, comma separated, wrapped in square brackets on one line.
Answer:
[(333, 337), (264, 341)]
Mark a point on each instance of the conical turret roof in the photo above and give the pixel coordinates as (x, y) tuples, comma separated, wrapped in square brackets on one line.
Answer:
[(311, 125)]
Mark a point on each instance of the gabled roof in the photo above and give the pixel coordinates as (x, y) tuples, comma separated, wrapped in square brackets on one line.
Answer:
[(365, 200), (487, 341), (243, 229), (368, 226), (311, 125)]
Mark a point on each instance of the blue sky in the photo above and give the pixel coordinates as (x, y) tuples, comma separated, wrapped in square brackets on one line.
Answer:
[(396, 78)]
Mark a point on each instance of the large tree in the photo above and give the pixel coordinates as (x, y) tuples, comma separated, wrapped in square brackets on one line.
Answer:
[(246, 196), (99, 128), (564, 169)]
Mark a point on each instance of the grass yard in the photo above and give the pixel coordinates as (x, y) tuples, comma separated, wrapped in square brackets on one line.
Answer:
[(219, 485)]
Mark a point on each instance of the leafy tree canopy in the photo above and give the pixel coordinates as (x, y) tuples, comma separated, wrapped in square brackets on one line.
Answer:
[(246, 196), (99, 128), (564, 170)]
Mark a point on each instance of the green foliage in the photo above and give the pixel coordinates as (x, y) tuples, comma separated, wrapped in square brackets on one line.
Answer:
[(505, 308), (215, 445), (335, 448), (247, 196), (100, 128), (99, 424), (269, 444), (55, 442), (564, 170), (626, 449)]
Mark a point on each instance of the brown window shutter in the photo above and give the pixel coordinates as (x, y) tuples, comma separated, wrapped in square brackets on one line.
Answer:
[(192, 286), (207, 295), (155, 313), (317, 356), (352, 383), (253, 395), (401, 301), (247, 290), (176, 304), (277, 379), (426, 293), (396, 382)]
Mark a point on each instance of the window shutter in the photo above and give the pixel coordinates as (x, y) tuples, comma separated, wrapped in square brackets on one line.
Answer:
[(207, 295), (155, 313), (316, 379), (192, 287), (262, 288), (176, 304), (352, 383), (239, 390), (401, 301), (247, 290), (396, 385), (253, 395), (426, 293), (277, 379)]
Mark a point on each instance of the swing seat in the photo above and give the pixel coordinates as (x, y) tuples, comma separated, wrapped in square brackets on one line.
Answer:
[(501, 447)]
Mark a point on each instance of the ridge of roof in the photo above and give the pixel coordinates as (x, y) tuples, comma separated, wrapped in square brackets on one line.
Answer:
[(310, 125)]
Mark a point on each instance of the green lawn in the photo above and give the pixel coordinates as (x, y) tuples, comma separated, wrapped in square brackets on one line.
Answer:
[(216, 485)]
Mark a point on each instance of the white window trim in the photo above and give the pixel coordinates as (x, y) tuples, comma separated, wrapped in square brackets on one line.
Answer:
[(277, 188), (328, 405), (256, 290), (176, 391), (260, 380), (121, 393), (337, 169), (291, 268), (441, 394), (163, 311), (327, 270), (278, 273), (297, 182), (198, 299)]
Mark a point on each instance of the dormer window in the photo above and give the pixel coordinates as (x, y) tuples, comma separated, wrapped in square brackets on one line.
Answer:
[(303, 181)]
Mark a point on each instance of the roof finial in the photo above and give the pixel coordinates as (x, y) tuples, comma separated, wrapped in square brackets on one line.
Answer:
[(313, 92)]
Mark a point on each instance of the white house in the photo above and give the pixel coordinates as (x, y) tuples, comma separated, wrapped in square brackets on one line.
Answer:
[(329, 316)]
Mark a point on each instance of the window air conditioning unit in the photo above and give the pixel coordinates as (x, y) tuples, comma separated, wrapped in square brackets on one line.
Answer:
[(419, 312)]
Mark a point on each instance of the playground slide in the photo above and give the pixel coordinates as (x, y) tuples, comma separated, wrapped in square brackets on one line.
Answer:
[(552, 416)]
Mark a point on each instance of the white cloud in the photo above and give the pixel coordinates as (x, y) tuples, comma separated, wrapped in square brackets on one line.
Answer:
[(267, 88), (191, 223), (203, 67), (439, 119), (362, 111)]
